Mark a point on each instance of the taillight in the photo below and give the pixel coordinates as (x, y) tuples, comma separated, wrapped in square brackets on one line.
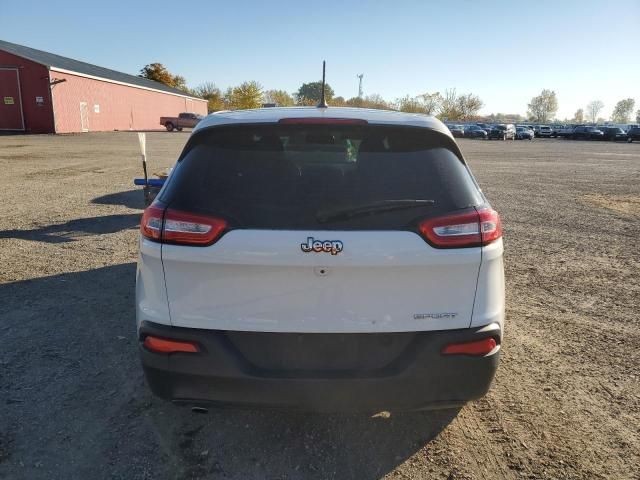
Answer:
[(190, 229), (490, 225), (476, 348), (471, 229), (151, 224), (181, 228), (165, 345)]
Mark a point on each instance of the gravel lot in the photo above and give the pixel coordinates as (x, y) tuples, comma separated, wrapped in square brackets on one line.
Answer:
[(73, 403)]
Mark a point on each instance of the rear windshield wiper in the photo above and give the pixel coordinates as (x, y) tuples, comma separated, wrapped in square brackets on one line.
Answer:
[(343, 213)]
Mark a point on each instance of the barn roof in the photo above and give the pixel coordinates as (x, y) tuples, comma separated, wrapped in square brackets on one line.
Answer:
[(54, 61)]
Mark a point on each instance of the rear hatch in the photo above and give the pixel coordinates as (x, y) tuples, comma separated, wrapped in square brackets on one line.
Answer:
[(321, 230)]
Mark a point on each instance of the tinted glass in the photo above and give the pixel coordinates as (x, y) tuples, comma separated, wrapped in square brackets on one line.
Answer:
[(285, 176)]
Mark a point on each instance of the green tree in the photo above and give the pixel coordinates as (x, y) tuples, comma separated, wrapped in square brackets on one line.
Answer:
[(543, 107), (593, 109), (309, 93), (244, 96), (638, 116), (622, 110), (578, 117), (212, 94), (159, 73), (180, 83), (279, 97)]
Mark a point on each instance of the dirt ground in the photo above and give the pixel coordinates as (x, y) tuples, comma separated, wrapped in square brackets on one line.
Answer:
[(73, 403)]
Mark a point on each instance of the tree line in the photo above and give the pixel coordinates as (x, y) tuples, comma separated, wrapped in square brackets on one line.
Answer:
[(449, 105), (543, 108)]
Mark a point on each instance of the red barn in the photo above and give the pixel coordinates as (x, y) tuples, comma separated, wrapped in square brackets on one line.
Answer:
[(41, 92)]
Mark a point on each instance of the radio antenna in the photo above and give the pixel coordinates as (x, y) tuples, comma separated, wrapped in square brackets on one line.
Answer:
[(323, 102)]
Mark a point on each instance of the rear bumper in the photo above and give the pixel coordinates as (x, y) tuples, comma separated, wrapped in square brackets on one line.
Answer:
[(239, 368)]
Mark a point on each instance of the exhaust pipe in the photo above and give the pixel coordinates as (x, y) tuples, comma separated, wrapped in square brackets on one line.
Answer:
[(201, 410)]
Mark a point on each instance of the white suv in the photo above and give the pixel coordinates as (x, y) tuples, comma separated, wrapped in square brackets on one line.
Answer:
[(545, 131), (323, 259)]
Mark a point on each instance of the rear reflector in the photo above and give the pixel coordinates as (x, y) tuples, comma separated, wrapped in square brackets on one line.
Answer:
[(164, 345), (471, 229), (477, 348), (181, 228), (323, 121)]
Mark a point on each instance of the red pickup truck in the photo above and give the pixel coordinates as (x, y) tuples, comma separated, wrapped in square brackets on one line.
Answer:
[(183, 120)]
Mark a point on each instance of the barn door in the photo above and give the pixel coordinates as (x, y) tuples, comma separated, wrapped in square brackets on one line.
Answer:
[(10, 100), (84, 117)]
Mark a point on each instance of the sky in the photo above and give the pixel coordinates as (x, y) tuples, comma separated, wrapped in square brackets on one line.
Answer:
[(504, 51)]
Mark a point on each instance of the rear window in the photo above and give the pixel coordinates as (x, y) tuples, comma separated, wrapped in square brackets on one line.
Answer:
[(288, 176)]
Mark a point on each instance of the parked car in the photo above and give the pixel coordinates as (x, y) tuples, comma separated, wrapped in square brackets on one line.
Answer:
[(633, 134), (585, 132), (281, 267), (474, 131), (523, 133), (565, 131), (555, 128), (456, 130), (544, 131), (614, 134), (503, 132), (183, 120)]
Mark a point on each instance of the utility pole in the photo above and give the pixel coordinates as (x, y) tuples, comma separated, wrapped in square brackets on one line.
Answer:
[(360, 85)]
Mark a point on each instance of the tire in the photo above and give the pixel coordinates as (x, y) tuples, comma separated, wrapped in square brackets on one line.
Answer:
[(169, 126), (179, 129)]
